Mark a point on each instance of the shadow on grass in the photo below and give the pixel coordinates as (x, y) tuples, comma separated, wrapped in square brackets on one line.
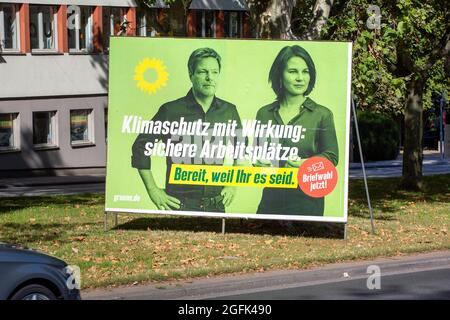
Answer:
[(363, 212), (254, 227), (19, 233), (388, 198), (8, 205)]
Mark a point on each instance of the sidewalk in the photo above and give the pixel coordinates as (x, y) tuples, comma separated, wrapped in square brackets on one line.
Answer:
[(432, 164), (50, 181), (430, 157)]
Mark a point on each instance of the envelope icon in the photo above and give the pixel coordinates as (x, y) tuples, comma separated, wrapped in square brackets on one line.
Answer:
[(318, 166)]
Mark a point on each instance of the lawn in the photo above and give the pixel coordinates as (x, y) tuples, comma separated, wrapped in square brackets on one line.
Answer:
[(154, 248)]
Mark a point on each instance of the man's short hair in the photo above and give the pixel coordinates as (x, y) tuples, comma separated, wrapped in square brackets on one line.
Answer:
[(199, 54), (276, 71)]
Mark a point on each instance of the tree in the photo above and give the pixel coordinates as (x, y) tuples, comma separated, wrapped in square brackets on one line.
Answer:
[(281, 19), (274, 19), (398, 64), (423, 40)]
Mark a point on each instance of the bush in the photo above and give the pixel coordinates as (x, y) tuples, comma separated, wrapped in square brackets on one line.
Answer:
[(380, 137)]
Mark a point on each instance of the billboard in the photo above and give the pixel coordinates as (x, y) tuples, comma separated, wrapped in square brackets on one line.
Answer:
[(229, 128)]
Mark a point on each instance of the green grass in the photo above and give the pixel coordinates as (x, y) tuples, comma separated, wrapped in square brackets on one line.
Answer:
[(155, 248)]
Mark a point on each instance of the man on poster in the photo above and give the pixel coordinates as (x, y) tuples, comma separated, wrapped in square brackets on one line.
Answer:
[(204, 68)]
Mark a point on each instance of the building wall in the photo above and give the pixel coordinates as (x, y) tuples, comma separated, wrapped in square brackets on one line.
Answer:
[(65, 155), (58, 81), (37, 75), (61, 81)]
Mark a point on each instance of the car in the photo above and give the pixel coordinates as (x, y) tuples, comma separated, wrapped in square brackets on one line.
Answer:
[(26, 274)]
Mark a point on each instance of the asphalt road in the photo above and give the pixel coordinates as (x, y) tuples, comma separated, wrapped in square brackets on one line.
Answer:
[(75, 185), (387, 172), (47, 190), (425, 276), (431, 284)]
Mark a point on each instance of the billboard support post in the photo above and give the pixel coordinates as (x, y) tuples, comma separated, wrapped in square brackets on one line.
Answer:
[(223, 226), (116, 220), (105, 221), (363, 170), (442, 101)]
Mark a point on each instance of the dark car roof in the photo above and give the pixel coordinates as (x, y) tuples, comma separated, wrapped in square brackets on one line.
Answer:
[(14, 253)]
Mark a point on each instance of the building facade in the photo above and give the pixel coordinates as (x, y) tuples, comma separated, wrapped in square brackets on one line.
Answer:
[(54, 72)]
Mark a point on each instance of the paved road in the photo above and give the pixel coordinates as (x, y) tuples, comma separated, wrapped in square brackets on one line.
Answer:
[(387, 172), (47, 190), (425, 276), (430, 284), (44, 186), (96, 184)]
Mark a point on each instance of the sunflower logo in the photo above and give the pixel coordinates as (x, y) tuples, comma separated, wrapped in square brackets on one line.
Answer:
[(161, 75)]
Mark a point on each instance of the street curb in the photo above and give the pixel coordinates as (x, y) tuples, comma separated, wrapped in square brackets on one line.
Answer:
[(220, 286), (356, 166), (49, 183)]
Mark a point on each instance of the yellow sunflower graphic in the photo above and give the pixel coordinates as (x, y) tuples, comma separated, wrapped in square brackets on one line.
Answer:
[(161, 75)]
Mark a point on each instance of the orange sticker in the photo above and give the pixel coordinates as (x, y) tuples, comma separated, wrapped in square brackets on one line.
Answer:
[(317, 177)]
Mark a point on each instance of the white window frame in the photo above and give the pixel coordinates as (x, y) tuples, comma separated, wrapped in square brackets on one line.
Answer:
[(110, 17), (142, 25), (15, 132), (54, 132), (88, 31), (16, 28), (40, 30), (230, 24), (111, 24), (239, 21), (105, 115), (91, 135), (240, 24), (204, 24)]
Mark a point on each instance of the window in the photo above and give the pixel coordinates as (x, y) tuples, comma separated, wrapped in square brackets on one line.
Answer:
[(142, 25), (209, 24), (206, 24), (106, 124), (79, 26), (81, 131), (9, 27), (147, 23), (9, 131), (113, 19), (43, 27), (44, 129), (155, 22), (233, 24)]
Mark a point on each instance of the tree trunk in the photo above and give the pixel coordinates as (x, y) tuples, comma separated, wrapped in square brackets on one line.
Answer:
[(275, 21), (412, 151), (322, 10)]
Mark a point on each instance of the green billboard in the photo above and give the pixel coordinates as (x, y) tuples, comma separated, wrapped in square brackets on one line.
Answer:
[(229, 128)]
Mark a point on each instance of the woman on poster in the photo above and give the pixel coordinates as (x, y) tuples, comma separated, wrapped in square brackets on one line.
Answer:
[(292, 77)]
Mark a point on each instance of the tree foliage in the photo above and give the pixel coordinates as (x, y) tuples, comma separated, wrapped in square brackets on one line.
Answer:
[(407, 45), (399, 64)]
